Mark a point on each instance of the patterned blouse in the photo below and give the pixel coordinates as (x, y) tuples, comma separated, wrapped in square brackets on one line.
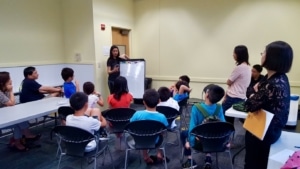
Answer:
[(273, 95)]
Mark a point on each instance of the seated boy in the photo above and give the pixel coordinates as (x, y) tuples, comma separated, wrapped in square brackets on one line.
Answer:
[(69, 88), (167, 100), (213, 94), (88, 119), (182, 91), (184, 78), (150, 100)]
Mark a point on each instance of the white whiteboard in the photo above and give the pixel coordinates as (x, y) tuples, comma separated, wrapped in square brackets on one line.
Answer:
[(50, 75), (134, 71)]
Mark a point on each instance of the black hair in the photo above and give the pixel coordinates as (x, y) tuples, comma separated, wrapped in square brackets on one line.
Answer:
[(111, 49), (179, 83), (88, 88), (28, 71), (4, 78), (78, 100), (257, 68), (185, 78), (215, 93), (120, 87), (66, 73), (279, 57), (164, 93), (151, 98), (242, 55)]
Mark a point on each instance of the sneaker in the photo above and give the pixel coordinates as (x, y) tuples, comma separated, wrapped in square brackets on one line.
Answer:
[(208, 162), (188, 164)]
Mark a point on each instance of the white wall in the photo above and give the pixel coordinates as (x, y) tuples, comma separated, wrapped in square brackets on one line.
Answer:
[(197, 37), (31, 32), (112, 13), (78, 32)]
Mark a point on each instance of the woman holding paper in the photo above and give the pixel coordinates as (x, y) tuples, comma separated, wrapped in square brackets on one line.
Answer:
[(271, 94)]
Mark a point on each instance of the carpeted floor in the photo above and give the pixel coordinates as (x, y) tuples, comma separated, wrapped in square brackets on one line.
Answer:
[(45, 156)]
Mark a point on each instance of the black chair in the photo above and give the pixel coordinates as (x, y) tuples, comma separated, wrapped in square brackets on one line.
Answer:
[(64, 111), (145, 134), (214, 137), (118, 118), (75, 141), (183, 104), (171, 114)]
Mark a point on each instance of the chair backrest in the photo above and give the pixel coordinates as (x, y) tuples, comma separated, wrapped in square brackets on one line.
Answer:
[(169, 112), (64, 111), (213, 136), (183, 103), (75, 139), (118, 117), (147, 134)]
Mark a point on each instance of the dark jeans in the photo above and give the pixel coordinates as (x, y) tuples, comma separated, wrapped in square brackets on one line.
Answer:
[(257, 152), (110, 86), (229, 101), (183, 136)]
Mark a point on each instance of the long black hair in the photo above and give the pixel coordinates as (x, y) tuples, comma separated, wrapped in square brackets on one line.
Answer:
[(120, 87), (111, 49)]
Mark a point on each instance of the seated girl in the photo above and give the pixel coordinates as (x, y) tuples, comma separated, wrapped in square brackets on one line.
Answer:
[(181, 91), (120, 97)]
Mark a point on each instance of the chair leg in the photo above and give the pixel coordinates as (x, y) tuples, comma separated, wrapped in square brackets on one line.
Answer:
[(111, 159), (95, 162), (59, 160), (230, 158), (217, 163), (165, 158), (126, 156)]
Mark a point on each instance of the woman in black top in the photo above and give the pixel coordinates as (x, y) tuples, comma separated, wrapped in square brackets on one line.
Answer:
[(255, 78), (272, 94), (113, 65)]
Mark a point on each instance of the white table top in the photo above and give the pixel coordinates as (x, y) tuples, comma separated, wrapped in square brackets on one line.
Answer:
[(234, 113), (286, 142), (27, 111)]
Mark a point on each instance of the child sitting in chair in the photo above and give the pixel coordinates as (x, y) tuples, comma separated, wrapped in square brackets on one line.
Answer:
[(150, 100), (89, 119), (213, 94), (181, 91)]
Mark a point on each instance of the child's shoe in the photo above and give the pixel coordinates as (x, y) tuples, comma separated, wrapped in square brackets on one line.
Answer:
[(188, 164)]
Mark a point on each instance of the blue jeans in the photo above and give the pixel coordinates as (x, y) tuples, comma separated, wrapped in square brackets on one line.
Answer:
[(183, 136), (229, 101)]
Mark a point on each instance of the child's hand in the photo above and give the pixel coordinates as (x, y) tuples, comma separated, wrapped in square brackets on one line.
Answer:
[(187, 145), (76, 82)]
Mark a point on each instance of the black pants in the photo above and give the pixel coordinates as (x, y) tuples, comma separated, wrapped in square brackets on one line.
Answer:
[(257, 152), (111, 86)]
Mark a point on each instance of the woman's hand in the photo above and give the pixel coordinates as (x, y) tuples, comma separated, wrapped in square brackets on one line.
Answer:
[(124, 56)]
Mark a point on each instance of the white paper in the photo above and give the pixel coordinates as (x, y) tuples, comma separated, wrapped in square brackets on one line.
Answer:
[(269, 117), (105, 50), (282, 156)]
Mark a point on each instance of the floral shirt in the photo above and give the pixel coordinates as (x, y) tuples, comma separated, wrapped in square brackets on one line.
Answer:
[(273, 95)]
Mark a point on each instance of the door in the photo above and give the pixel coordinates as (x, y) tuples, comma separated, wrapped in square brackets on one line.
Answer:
[(120, 37)]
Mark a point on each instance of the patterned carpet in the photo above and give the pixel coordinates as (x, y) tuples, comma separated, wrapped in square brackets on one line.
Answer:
[(45, 156)]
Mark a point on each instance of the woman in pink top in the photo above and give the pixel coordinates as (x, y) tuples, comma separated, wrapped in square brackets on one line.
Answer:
[(238, 81), (120, 98)]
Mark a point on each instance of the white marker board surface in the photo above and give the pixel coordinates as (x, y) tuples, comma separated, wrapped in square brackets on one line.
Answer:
[(134, 71)]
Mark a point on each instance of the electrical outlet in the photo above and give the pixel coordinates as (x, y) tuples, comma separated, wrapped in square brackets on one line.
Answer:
[(77, 57)]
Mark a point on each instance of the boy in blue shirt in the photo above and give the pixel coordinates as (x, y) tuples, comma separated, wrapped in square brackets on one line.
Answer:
[(150, 100), (181, 91), (213, 94), (69, 88)]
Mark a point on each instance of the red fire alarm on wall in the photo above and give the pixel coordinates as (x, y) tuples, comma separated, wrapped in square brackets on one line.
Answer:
[(102, 26)]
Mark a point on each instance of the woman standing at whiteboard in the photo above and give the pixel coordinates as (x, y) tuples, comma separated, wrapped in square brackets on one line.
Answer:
[(113, 65)]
